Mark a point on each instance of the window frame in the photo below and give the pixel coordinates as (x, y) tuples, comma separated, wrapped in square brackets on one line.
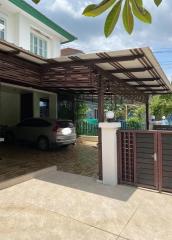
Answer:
[(38, 45), (5, 25)]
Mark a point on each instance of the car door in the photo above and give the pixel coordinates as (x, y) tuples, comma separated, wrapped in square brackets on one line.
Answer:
[(24, 130), (39, 128)]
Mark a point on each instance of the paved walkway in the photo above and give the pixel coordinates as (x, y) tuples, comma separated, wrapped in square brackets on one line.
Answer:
[(19, 160), (63, 206)]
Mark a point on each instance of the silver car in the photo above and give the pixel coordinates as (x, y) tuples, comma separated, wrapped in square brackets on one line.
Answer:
[(45, 133)]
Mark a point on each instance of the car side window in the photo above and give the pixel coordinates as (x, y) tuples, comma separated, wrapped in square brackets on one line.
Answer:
[(41, 123), (25, 123), (34, 123)]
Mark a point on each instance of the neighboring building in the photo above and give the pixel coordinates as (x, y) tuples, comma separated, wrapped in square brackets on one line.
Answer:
[(70, 51), (24, 26), (27, 28)]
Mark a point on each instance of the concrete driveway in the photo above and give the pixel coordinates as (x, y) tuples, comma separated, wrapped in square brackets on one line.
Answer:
[(64, 206)]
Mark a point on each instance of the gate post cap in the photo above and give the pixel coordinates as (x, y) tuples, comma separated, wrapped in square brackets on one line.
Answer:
[(112, 125)]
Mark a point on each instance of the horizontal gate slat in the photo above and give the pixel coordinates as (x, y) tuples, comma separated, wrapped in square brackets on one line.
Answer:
[(144, 155), (167, 182), (145, 182), (148, 145), (167, 168), (167, 158), (145, 165), (144, 140), (167, 151), (145, 159), (145, 176), (144, 150), (167, 174), (166, 140), (145, 171), (167, 146), (137, 157), (166, 162)]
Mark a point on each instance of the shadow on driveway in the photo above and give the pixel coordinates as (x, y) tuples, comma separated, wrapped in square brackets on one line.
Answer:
[(89, 185)]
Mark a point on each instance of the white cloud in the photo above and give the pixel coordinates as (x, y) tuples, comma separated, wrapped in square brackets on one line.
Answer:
[(158, 35), (73, 8), (100, 43), (68, 14)]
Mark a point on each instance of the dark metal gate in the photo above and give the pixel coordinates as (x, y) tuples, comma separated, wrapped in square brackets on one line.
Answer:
[(145, 159)]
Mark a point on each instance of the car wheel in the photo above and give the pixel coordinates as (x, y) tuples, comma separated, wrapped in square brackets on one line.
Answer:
[(9, 138), (43, 144)]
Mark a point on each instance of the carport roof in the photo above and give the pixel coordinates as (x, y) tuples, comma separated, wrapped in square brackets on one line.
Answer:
[(128, 72), (137, 68)]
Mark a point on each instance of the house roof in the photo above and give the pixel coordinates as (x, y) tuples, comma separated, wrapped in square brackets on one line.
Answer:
[(42, 18)]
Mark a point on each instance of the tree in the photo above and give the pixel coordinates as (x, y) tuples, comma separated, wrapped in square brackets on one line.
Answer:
[(161, 105), (81, 110), (129, 9)]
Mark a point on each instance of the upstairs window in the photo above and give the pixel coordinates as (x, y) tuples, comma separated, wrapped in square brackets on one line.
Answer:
[(38, 45), (2, 29)]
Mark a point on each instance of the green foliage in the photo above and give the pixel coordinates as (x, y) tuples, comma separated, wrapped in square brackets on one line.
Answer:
[(36, 1), (94, 10), (161, 105), (117, 106), (157, 2), (134, 123), (140, 12), (131, 9), (81, 110), (128, 18), (138, 112), (112, 18)]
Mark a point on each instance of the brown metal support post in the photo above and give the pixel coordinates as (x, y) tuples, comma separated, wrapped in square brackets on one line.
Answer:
[(147, 114), (100, 119)]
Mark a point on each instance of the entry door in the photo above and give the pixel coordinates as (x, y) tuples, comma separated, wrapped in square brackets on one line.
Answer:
[(26, 106), (146, 171)]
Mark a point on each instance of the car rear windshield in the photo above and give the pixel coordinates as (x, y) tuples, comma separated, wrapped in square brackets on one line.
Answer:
[(65, 124)]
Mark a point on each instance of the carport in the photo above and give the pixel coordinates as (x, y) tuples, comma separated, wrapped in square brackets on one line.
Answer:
[(134, 74)]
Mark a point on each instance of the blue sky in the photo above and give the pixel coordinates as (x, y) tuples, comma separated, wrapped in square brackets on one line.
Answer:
[(158, 35)]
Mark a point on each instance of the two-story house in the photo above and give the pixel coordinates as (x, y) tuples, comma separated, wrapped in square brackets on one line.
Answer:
[(27, 28)]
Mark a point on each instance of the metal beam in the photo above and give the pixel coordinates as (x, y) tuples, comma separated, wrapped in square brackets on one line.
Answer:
[(82, 62), (129, 70), (147, 114), (120, 87), (100, 119), (147, 86), (140, 79), (154, 90)]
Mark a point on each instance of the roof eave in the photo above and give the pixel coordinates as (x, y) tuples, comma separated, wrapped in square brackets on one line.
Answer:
[(74, 38)]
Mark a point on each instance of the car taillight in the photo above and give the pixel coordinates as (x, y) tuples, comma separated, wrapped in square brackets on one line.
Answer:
[(55, 128)]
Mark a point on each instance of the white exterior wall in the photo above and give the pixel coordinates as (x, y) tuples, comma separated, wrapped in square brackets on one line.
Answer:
[(10, 105), (9, 108), (19, 27), (26, 27)]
